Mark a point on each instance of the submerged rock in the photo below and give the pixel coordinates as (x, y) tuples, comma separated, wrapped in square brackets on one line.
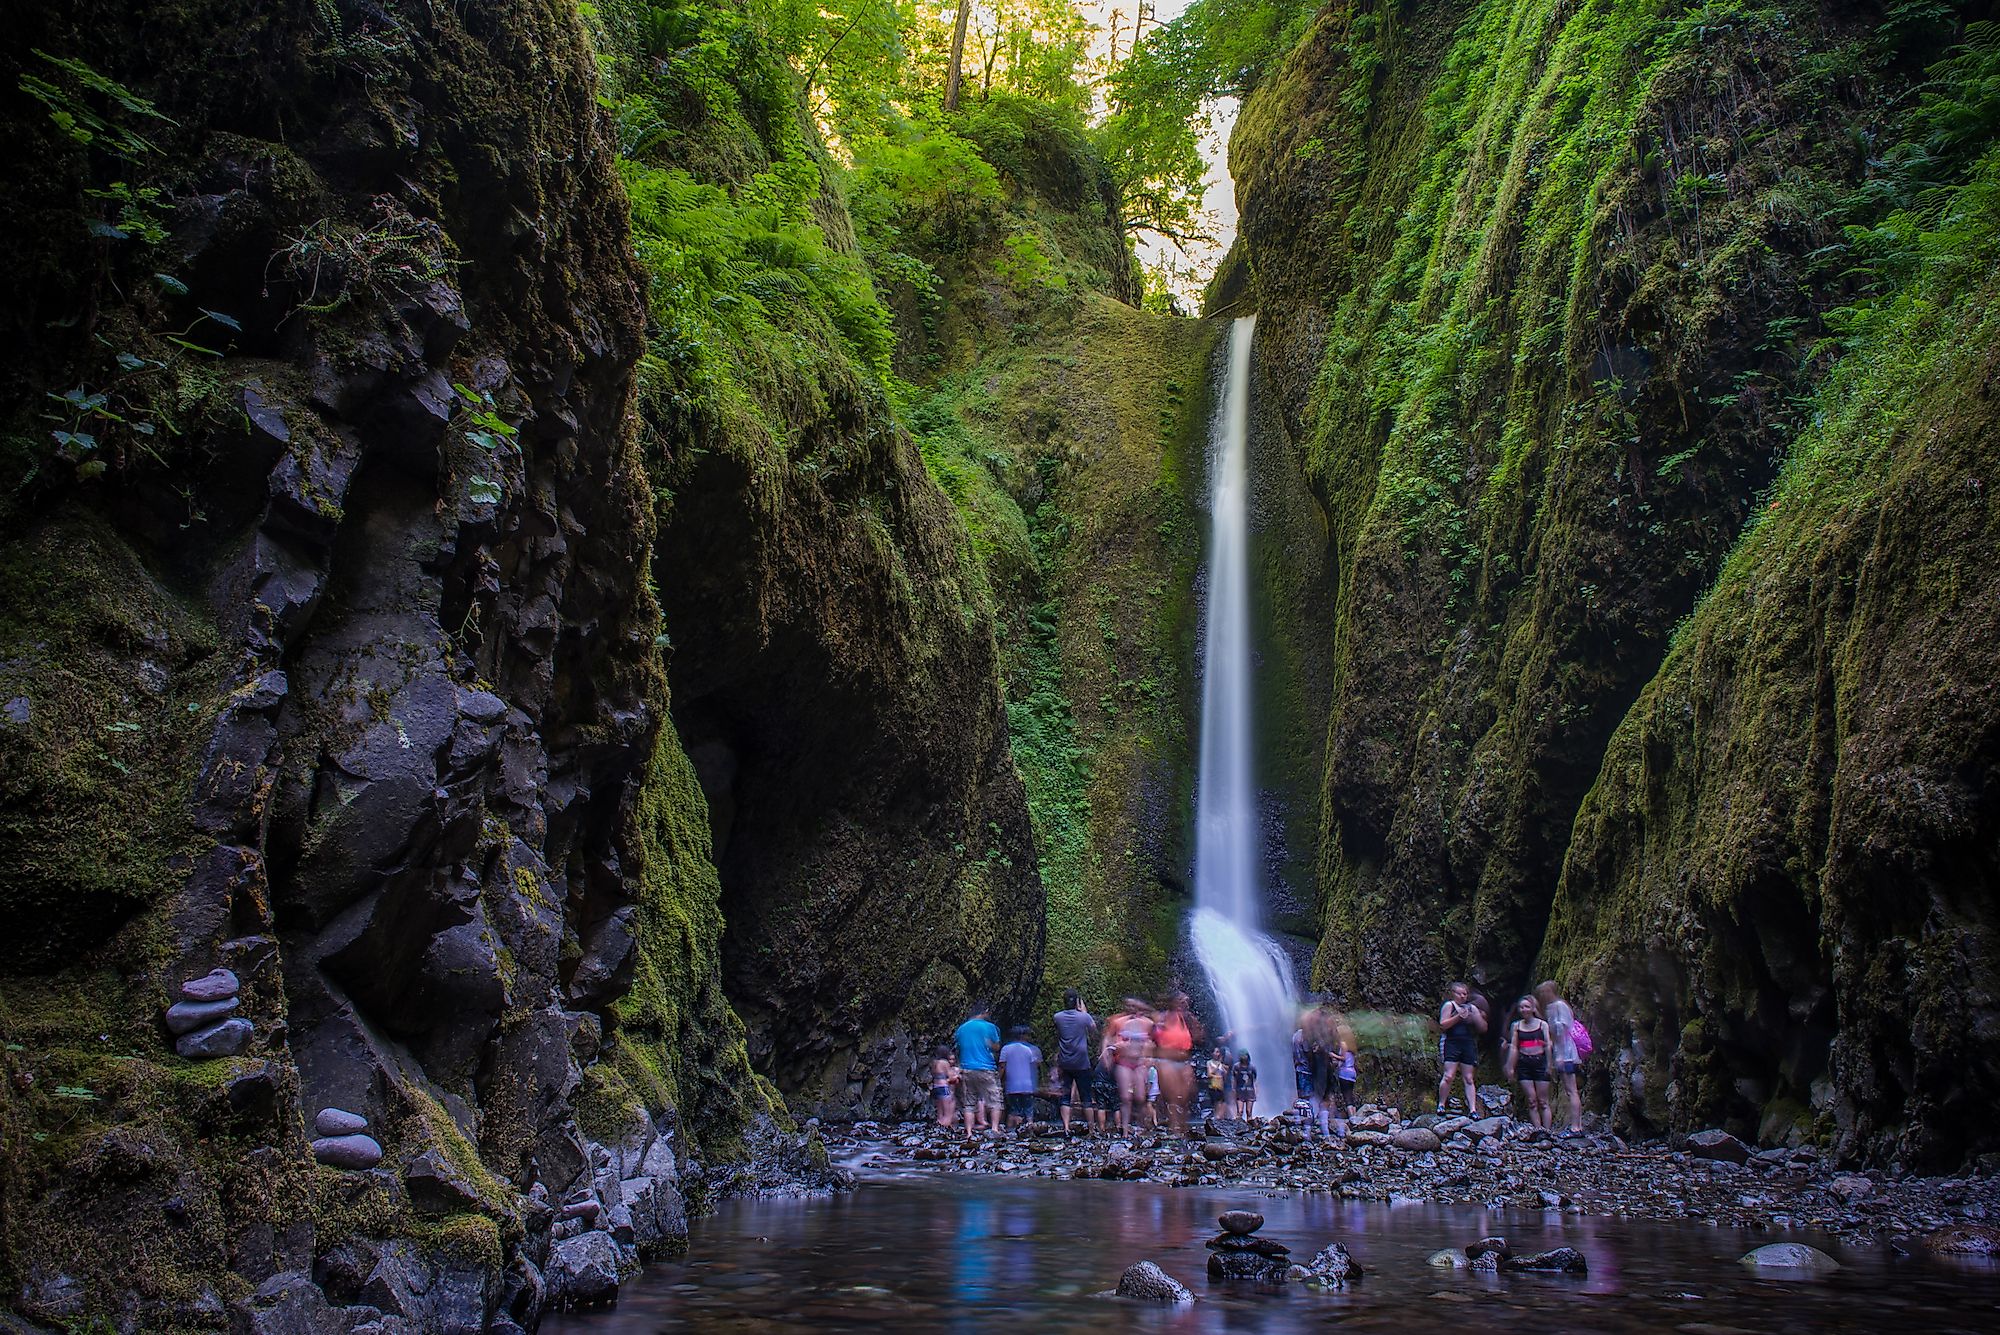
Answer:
[(1557, 1261), (1449, 1258), (1332, 1268), (1146, 1282), (1789, 1256)]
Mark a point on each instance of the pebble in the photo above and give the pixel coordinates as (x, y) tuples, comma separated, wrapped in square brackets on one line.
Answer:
[(214, 985), (351, 1152), (338, 1122), (221, 1040), (184, 1017)]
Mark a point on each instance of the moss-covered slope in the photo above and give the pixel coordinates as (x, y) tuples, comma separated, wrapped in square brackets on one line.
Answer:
[(1784, 878), (1542, 291)]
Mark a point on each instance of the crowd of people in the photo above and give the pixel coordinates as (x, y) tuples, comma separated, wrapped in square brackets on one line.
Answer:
[(1147, 1066)]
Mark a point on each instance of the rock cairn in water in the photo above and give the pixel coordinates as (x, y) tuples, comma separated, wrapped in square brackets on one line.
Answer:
[(1238, 1253), (204, 1022), (341, 1140)]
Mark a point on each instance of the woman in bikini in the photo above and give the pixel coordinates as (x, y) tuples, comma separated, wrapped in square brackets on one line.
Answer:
[(1174, 1035), (1128, 1043), (1528, 1039)]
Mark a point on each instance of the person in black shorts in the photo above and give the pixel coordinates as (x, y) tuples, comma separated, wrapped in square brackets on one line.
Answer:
[(1076, 1034), (1103, 1095), (1462, 1023), (1528, 1041)]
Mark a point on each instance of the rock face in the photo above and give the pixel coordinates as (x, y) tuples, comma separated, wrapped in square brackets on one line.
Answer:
[(1537, 391), (348, 604)]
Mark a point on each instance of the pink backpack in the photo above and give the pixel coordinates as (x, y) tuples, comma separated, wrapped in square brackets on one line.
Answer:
[(1580, 1036)]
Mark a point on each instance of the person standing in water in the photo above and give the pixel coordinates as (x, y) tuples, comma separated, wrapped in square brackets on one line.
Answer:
[(1128, 1047), (1315, 1040), (943, 1076), (1528, 1058), (1243, 1085), (978, 1076), (1462, 1023), (1562, 1021), (1174, 1036), (1076, 1027), (1022, 1063)]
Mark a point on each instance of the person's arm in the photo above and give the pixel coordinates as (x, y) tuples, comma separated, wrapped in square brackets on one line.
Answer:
[(1449, 1017), (1478, 1018)]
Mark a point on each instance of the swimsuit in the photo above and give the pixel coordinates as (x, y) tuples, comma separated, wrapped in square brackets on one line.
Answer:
[(1531, 1054)]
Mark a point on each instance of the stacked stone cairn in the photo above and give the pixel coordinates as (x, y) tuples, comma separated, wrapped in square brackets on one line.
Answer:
[(341, 1140), (204, 1021), (1237, 1253)]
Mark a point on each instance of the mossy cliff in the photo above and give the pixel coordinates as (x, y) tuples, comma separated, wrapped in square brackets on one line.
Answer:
[(1543, 292), (351, 452)]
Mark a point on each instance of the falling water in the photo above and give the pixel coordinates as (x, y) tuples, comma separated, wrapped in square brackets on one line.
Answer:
[(1250, 975)]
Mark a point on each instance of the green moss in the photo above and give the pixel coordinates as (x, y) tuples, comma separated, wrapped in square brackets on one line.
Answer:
[(676, 1042), (112, 680)]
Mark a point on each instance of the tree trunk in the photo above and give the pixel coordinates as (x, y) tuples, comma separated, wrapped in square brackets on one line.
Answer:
[(952, 79)]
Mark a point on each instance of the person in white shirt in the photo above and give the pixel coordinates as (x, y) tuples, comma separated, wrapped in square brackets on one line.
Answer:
[(1560, 1017)]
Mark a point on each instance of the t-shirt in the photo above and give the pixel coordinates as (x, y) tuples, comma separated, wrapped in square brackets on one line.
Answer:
[(1560, 1019), (976, 1040), (1245, 1079), (1023, 1062), (1347, 1066), (1074, 1030)]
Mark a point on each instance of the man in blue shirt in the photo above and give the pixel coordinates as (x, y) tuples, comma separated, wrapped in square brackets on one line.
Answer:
[(978, 1074)]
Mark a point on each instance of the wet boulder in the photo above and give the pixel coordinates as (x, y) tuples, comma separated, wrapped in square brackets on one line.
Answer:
[(1965, 1240), (583, 1272), (353, 1153), (1794, 1256), (1332, 1268), (1146, 1282), (1557, 1261)]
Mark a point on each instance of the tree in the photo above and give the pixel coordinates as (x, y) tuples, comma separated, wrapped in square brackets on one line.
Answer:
[(957, 72)]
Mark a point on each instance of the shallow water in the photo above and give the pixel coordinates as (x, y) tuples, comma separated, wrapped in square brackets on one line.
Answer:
[(929, 1253)]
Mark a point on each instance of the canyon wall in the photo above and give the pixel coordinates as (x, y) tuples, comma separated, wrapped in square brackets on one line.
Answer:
[(1554, 300)]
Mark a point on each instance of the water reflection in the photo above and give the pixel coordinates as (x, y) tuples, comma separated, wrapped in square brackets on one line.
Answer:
[(987, 1254)]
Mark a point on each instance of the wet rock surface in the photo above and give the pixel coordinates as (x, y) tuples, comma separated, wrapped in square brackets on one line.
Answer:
[(1508, 1165), (1146, 1282)]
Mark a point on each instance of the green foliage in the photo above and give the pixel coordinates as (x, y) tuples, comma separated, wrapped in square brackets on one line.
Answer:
[(111, 129)]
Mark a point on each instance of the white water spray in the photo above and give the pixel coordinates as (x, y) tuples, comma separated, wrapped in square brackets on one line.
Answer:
[(1250, 976)]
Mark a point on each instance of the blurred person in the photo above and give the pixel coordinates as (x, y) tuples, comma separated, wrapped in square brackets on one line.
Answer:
[(1175, 1032), (944, 1082), (1567, 1061)]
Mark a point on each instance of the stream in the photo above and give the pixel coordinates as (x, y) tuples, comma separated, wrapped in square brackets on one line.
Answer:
[(922, 1252)]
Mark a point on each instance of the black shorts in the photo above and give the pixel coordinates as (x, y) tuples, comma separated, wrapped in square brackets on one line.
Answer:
[(1073, 1088), (1532, 1070), (1322, 1074), (1346, 1093), (1461, 1045), (1104, 1089), (1021, 1105)]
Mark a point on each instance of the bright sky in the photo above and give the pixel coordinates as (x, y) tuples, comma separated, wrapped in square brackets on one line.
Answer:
[(1198, 262)]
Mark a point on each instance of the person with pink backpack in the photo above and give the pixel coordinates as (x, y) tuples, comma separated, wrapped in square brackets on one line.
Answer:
[(1571, 1045)]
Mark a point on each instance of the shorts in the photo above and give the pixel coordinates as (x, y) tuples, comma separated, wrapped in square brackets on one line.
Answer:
[(1567, 1068), (1104, 1089), (1461, 1045), (1532, 1070), (939, 1093), (1322, 1075), (1021, 1106), (1073, 1088), (1346, 1093), (979, 1089)]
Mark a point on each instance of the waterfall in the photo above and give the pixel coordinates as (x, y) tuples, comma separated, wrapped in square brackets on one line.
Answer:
[(1250, 976)]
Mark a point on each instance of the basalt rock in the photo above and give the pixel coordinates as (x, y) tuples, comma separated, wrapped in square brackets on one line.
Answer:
[(1146, 1282), (1789, 1256)]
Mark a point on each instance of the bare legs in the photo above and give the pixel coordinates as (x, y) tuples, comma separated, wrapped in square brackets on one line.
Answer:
[(1465, 1070)]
